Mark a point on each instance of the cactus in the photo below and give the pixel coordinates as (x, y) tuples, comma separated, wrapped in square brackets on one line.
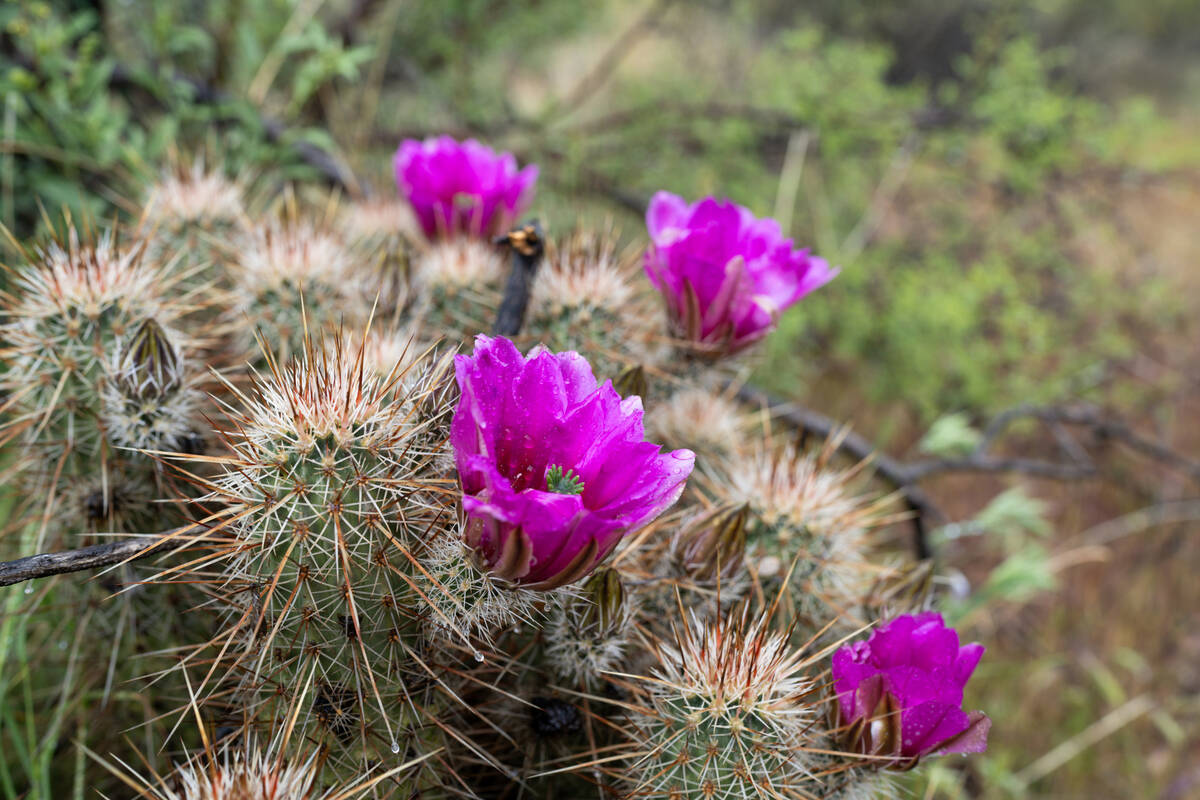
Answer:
[(292, 276), (584, 301), (256, 778), (458, 285), (449, 575), (387, 242), (190, 216), (728, 713), (76, 309), (332, 498), (465, 600), (810, 525), (702, 420)]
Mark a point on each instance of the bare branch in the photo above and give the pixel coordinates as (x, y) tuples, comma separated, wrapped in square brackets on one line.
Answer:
[(604, 69), (983, 462), (44, 565), (1168, 513), (527, 245), (904, 476)]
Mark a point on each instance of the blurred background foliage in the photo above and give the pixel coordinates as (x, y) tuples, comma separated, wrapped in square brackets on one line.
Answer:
[(1011, 188)]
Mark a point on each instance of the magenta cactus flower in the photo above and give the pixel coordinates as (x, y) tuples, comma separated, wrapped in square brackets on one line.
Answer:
[(900, 692), (462, 187), (725, 275), (555, 469)]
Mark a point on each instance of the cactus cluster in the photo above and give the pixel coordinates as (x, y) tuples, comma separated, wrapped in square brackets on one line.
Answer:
[(96, 372), (450, 565)]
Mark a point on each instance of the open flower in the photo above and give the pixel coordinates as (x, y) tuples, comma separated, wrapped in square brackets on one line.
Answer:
[(901, 691), (725, 275), (555, 469), (462, 187)]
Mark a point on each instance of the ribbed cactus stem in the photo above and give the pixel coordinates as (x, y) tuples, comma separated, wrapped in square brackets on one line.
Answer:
[(332, 499), (729, 711)]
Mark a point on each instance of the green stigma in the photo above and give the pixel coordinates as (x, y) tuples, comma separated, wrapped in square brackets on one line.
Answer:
[(561, 482)]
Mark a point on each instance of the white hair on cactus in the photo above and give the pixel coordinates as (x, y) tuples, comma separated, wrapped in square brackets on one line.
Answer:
[(238, 777), (459, 263), (700, 419), (379, 219), (584, 274), (466, 601), (194, 195), (729, 713), (290, 276)]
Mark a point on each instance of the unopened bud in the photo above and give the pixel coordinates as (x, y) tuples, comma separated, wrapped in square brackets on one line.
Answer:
[(606, 597), (714, 545), (149, 363), (631, 381)]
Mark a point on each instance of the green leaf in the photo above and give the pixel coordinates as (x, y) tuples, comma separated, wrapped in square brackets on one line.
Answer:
[(1013, 513), (949, 436)]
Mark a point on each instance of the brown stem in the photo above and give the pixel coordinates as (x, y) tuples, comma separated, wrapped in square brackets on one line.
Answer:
[(43, 565)]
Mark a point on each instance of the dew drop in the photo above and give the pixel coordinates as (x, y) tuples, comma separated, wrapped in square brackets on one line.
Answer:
[(29, 589), (395, 746), (479, 656)]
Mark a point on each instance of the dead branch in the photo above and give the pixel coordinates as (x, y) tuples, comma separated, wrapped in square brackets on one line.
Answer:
[(1076, 464), (600, 74), (983, 462), (1103, 428), (43, 565), (527, 245)]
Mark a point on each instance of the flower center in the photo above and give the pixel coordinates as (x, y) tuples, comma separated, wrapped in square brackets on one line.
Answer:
[(464, 201), (561, 482)]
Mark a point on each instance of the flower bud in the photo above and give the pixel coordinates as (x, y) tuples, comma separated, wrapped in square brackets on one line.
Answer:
[(631, 381), (713, 546), (605, 596), (588, 634), (149, 363)]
